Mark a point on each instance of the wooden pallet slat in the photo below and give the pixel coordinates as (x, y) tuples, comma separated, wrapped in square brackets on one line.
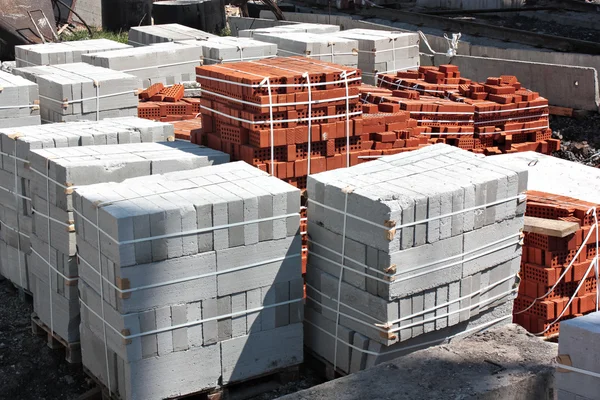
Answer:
[(55, 342)]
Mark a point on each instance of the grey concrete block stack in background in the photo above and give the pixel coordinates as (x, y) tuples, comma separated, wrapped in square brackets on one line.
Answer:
[(151, 34), (62, 53), (53, 271), (19, 101), (231, 49), (407, 283), (578, 347), (71, 92), (291, 28), (192, 280), (16, 145), (167, 63), (381, 51)]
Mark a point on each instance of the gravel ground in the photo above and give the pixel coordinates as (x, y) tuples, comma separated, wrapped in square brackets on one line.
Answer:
[(580, 139), (28, 368)]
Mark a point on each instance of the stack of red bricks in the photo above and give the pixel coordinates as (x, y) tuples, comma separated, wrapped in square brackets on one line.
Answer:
[(189, 129), (167, 104), (238, 114), (544, 260), (498, 116)]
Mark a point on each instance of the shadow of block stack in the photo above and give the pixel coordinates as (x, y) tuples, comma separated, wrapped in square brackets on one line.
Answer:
[(503, 116), (558, 278), (194, 280), (54, 272), (15, 205), (410, 250)]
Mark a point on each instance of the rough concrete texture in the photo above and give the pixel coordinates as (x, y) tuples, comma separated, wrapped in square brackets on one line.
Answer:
[(381, 52), (193, 276), (167, 63), (432, 251), (19, 101), (72, 92), (503, 363), (146, 35), (580, 341), (553, 175), (231, 49), (62, 53), (53, 245), (16, 216)]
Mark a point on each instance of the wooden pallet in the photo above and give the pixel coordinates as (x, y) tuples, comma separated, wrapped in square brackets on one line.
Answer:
[(321, 366), (552, 338), (237, 391), (72, 350)]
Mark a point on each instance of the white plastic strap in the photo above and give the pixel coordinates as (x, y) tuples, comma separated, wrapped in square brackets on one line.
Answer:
[(17, 208), (162, 65), (33, 106), (308, 86), (510, 119), (260, 85), (578, 370), (66, 102)]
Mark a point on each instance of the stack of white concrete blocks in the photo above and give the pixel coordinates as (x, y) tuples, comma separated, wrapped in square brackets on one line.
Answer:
[(167, 63), (54, 271), (19, 101), (208, 294), (384, 52), (291, 28), (579, 347), (71, 92), (324, 47), (62, 53), (151, 34), (232, 49), (15, 193), (407, 284)]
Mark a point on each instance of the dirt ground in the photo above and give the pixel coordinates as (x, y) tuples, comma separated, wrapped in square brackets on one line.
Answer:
[(580, 139)]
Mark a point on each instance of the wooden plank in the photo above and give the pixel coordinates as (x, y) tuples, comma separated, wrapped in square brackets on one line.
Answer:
[(561, 111), (550, 227)]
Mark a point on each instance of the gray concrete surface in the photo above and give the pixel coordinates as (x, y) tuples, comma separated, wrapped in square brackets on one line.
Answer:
[(504, 363)]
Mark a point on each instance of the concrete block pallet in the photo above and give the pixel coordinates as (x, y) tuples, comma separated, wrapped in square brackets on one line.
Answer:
[(71, 92), (167, 63), (384, 52), (410, 250), (578, 366), (236, 118), (167, 104), (291, 28), (506, 118), (16, 144), (62, 53), (53, 244), (220, 50), (191, 281), (151, 34), (19, 101), (558, 281), (316, 46)]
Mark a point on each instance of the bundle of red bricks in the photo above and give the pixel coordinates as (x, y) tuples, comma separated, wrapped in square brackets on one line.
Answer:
[(545, 259), (167, 104), (498, 116), (238, 113), (188, 129)]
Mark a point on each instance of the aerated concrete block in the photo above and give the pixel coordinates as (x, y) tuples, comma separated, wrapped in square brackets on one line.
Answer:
[(19, 101), (62, 53), (151, 34)]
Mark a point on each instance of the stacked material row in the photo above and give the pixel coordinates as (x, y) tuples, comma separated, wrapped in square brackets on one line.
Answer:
[(19, 101), (190, 130), (577, 375), (151, 34), (494, 117), (54, 270), (189, 280), (291, 28), (62, 53), (167, 104), (382, 52), (218, 50), (15, 176), (167, 63), (71, 92), (277, 134), (316, 46), (558, 279), (410, 250)]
